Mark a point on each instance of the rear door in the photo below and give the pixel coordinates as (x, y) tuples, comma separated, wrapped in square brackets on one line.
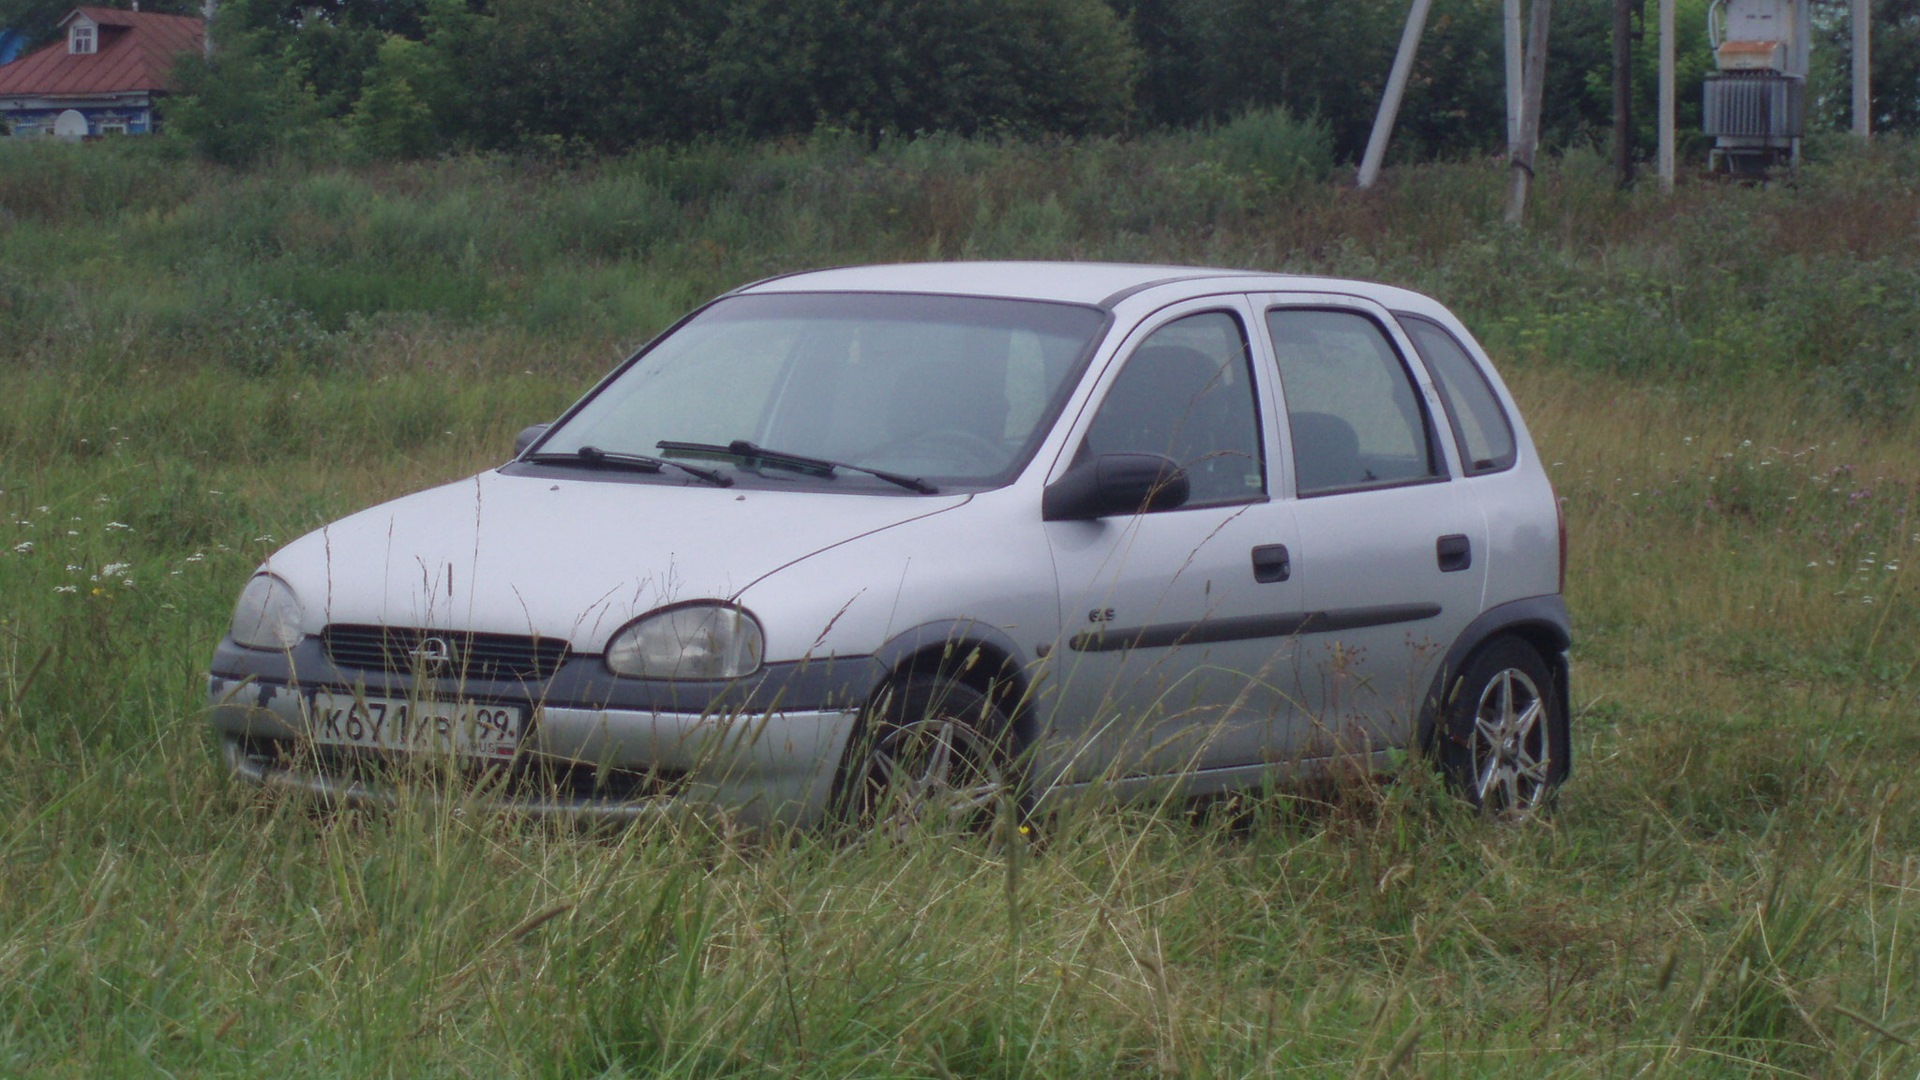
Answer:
[(1392, 548)]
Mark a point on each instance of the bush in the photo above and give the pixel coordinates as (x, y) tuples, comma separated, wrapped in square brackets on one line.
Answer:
[(391, 120), (242, 104), (1272, 146)]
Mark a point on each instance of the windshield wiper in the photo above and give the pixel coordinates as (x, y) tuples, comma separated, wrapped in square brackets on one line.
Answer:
[(618, 459), (754, 456)]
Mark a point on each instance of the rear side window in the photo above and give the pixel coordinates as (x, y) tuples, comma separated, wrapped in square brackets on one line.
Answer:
[(1356, 418), (1480, 425)]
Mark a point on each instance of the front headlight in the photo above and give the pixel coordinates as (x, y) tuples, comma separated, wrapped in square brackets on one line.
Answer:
[(267, 616), (702, 640)]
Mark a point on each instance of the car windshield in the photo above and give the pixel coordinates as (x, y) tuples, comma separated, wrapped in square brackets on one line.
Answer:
[(957, 391)]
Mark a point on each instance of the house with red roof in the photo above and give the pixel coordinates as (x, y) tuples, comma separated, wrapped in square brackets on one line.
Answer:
[(103, 79)]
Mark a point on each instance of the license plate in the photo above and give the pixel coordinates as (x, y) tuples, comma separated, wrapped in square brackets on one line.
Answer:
[(463, 728)]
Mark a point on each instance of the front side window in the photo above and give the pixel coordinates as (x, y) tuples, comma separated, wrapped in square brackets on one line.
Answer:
[(80, 39), (1356, 418), (1187, 392), (956, 390)]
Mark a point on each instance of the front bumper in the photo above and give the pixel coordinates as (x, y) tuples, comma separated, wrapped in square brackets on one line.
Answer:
[(762, 750)]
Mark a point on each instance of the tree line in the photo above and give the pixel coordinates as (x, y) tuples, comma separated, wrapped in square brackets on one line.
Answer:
[(406, 78)]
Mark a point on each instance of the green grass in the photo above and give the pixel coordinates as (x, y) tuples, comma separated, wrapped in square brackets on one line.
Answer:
[(198, 366)]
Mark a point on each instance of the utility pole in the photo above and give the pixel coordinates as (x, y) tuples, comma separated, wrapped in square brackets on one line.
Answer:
[(1666, 96), (1396, 88), (1623, 91), (1520, 166), (1516, 94), (1862, 68)]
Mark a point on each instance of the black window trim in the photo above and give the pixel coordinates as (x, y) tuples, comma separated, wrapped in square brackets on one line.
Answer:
[(1468, 465), (1436, 458)]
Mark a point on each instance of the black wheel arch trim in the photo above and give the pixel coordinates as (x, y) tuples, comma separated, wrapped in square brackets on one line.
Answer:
[(998, 665), (1542, 621)]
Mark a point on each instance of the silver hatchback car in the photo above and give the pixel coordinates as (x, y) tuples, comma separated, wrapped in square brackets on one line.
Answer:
[(925, 540)]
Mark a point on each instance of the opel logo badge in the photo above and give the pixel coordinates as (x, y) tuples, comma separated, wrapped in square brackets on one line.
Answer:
[(432, 653)]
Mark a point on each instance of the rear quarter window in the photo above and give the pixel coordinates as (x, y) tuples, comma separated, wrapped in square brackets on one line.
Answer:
[(1480, 426)]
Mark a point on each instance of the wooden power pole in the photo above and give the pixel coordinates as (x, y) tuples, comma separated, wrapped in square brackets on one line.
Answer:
[(1862, 68), (1511, 32), (1667, 95), (1623, 91), (1520, 166)]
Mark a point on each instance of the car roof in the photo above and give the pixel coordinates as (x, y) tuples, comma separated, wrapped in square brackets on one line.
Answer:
[(1098, 284)]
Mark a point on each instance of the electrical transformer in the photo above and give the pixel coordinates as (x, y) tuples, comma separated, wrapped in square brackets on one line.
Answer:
[(1756, 98)]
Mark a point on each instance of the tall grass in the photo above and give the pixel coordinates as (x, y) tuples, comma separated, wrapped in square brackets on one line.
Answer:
[(199, 365)]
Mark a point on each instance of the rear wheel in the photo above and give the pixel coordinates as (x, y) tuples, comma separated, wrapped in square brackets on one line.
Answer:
[(933, 755), (1504, 744)]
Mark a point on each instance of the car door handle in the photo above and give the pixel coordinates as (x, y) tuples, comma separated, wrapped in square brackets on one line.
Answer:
[(1271, 562), (1455, 552)]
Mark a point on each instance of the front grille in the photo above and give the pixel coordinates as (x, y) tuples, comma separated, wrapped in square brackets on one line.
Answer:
[(444, 654)]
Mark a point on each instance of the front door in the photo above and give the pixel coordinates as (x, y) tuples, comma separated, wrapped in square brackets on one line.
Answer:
[(1177, 648)]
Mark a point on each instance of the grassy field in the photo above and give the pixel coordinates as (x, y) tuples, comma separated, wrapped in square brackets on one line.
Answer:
[(196, 366)]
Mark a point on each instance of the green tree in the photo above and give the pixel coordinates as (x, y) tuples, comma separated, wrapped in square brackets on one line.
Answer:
[(1895, 60), (391, 119), (1214, 59), (922, 65), (581, 72), (243, 103)]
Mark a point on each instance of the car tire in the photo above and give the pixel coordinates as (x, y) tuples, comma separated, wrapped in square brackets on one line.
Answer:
[(932, 754), (1504, 746)]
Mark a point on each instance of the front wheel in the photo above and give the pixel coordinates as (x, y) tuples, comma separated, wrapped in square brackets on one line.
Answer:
[(933, 754), (1504, 745)]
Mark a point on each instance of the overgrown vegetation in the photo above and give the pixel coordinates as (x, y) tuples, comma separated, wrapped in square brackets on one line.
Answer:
[(197, 365), (356, 80)]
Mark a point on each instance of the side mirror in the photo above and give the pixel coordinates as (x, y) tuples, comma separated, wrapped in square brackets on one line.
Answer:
[(1116, 484), (527, 437)]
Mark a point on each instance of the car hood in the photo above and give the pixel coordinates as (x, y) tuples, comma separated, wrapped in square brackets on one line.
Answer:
[(565, 558)]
